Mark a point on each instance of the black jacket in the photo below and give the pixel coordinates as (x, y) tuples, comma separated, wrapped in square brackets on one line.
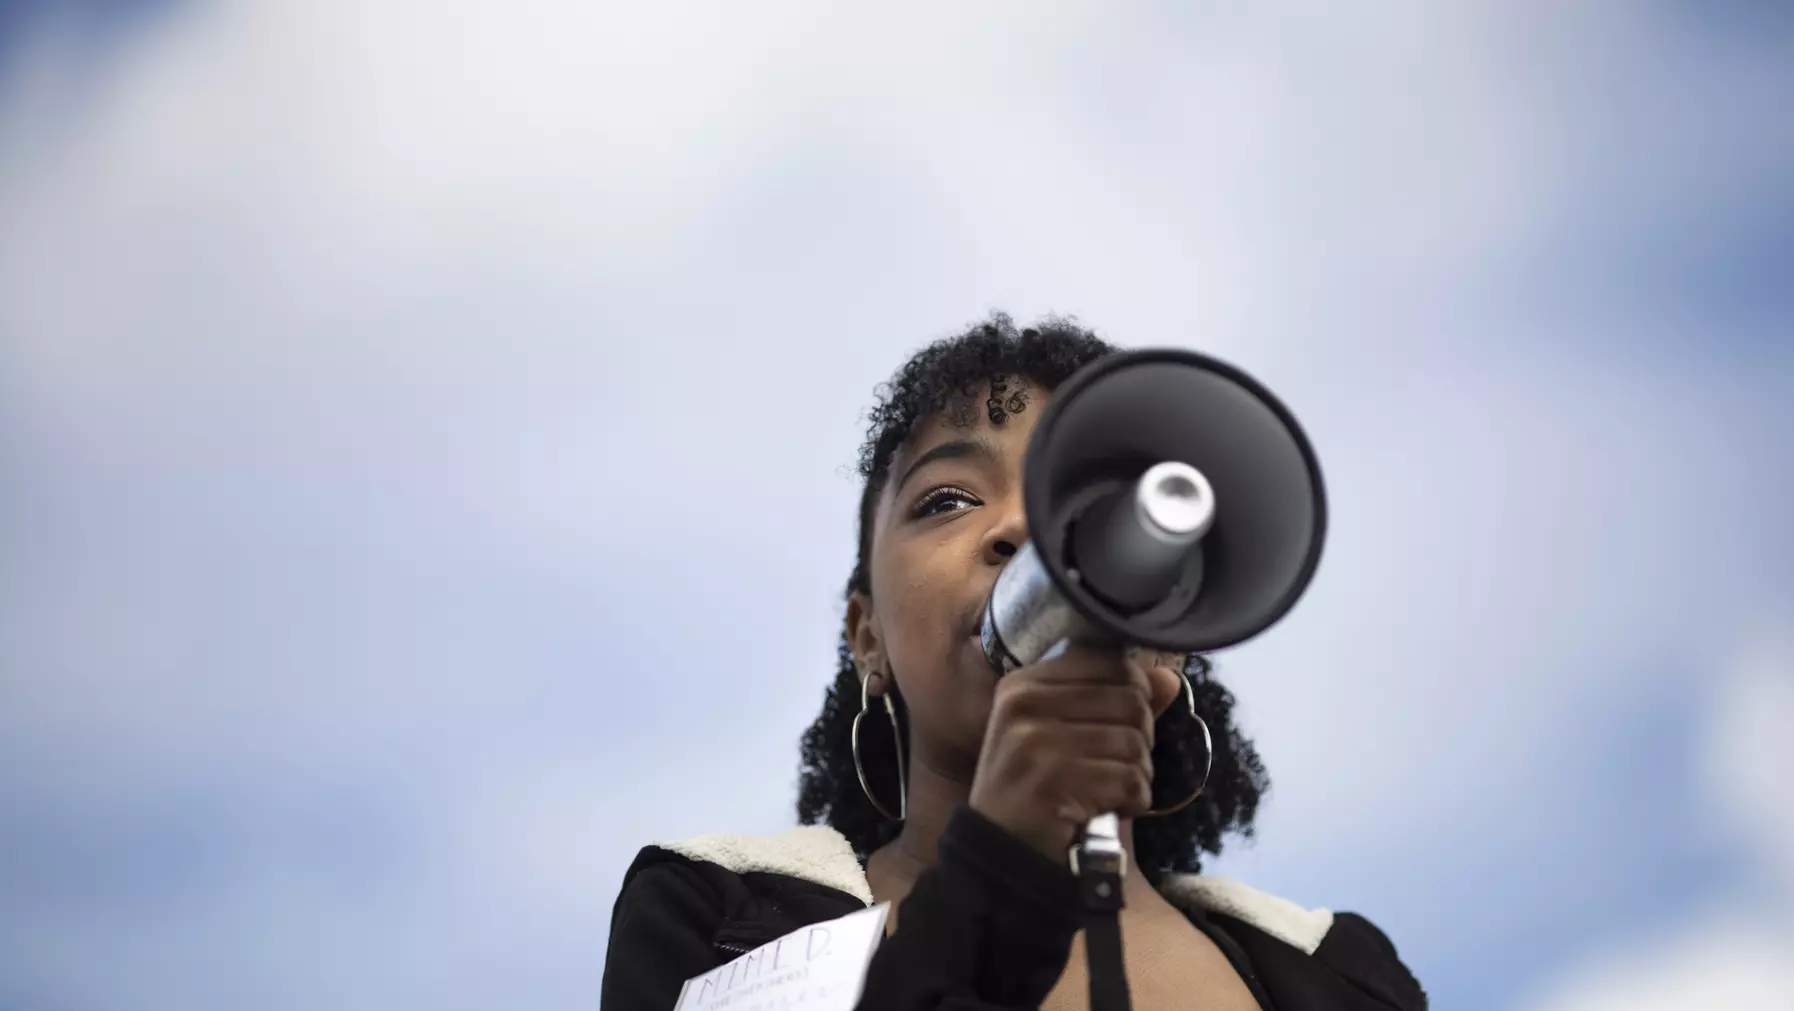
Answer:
[(989, 926)]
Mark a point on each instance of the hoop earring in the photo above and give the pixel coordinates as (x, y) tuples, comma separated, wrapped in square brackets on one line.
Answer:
[(897, 737), (1208, 757)]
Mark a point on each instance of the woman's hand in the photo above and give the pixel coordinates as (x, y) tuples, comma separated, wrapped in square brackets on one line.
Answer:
[(1068, 739)]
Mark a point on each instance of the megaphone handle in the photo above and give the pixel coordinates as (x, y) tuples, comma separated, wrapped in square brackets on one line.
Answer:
[(1100, 864), (1026, 595), (1099, 849)]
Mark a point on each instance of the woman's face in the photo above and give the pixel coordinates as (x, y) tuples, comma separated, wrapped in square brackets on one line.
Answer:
[(949, 517)]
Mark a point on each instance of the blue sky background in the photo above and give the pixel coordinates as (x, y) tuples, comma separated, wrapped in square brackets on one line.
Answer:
[(425, 438)]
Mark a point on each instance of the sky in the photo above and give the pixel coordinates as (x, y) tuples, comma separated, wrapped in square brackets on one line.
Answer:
[(426, 443)]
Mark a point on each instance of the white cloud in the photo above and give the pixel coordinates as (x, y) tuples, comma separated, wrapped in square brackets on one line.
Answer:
[(1737, 968), (1751, 745), (1738, 955)]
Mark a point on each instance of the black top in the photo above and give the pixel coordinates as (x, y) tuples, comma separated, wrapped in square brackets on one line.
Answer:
[(989, 926)]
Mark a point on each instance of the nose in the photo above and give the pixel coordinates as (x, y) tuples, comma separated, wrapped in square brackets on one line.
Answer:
[(1006, 536)]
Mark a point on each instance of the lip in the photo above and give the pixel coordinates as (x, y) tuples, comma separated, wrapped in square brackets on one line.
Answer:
[(973, 624), (973, 645)]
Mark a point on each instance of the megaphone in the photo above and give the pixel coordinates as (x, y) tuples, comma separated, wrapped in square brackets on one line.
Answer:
[(1172, 502)]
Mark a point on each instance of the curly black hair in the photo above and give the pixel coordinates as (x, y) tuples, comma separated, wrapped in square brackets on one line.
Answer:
[(991, 366)]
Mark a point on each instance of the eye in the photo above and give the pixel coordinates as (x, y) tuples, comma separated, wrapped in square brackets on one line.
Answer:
[(944, 500)]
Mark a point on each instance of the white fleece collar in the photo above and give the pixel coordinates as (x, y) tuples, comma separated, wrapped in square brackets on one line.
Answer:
[(812, 852), (819, 854), (1297, 927)]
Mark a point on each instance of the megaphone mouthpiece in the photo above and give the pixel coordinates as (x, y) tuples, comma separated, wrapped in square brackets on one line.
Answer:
[(1132, 546), (1175, 500)]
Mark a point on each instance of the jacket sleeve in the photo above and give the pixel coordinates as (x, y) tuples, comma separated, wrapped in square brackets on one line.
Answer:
[(990, 925), (1361, 953), (661, 935), (1355, 968)]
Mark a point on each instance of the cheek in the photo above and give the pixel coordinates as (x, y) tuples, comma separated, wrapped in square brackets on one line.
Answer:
[(922, 607), (918, 623)]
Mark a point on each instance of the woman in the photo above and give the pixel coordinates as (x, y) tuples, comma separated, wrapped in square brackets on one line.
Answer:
[(931, 784)]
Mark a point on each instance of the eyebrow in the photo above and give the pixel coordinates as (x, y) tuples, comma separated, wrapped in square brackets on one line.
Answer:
[(956, 449)]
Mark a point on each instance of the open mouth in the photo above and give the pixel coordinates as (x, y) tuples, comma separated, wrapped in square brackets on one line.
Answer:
[(975, 643), (973, 628)]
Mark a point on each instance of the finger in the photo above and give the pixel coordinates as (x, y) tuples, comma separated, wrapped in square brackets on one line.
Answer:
[(1106, 786), (1081, 703), (1081, 665), (1098, 742)]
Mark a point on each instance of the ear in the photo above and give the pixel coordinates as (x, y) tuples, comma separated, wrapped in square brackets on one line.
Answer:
[(865, 638)]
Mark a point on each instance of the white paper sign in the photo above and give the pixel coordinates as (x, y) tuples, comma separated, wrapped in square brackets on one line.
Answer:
[(821, 967)]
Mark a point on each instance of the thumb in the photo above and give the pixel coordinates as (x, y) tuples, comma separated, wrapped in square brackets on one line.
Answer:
[(1165, 685)]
